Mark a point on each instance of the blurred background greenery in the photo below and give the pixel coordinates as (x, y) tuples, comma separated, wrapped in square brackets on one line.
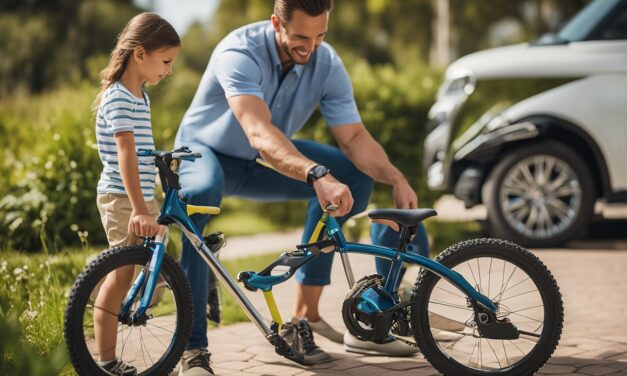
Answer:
[(51, 52)]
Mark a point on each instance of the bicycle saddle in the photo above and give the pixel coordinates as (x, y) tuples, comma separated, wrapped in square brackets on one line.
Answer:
[(404, 217)]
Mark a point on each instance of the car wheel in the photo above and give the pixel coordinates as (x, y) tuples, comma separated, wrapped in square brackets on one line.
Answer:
[(540, 195)]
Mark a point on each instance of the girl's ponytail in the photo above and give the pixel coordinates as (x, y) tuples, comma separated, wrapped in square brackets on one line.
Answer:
[(147, 30)]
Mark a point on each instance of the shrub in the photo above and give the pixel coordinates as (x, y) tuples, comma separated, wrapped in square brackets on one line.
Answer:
[(51, 167)]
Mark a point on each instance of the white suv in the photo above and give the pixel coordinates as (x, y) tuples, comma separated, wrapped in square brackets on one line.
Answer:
[(537, 132)]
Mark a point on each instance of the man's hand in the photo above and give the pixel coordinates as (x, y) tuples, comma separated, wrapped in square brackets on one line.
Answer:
[(142, 225), (404, 196), (331, 191)]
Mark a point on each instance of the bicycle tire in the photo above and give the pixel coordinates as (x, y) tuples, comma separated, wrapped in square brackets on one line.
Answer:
[(442, 357), (79, 296)]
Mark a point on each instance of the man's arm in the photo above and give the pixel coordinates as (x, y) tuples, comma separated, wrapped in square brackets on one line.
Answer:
[(369, 157), (256, 120)]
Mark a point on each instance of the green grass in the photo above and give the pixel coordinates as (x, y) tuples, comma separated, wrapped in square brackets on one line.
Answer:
[(33, 294), (32, 300)]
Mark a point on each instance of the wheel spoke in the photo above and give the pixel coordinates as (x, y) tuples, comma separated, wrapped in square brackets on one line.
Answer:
[(159, 327), (559, 208), (527, 317), (450, 305), (489, 276), (522, 293), (532, 220), (450, 292), (527, 175), (511, 287), (494, 352), (141, 347), (473, 276), (526, 309), (157, 338), (529, 334), (498, 298)]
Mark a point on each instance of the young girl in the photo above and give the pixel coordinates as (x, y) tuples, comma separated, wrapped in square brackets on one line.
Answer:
[(144, 52)]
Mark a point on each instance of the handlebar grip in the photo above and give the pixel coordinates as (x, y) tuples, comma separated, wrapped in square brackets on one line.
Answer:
[(144, 152)]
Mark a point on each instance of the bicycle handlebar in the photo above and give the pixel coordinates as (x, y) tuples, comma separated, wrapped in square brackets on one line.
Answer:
[(183, 154)]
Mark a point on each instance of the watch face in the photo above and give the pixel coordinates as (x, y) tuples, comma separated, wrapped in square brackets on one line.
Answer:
[(319, 171), (316, 173)]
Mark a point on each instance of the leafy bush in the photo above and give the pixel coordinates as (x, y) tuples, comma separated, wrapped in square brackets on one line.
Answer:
[(51, 175)]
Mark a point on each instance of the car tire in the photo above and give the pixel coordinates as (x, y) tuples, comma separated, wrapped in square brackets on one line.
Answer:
[(540, 195)]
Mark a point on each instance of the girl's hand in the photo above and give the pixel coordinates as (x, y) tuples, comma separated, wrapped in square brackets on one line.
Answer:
[(143, 225)]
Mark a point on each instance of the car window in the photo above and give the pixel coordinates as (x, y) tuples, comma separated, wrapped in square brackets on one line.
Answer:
[(587, 20), (617, 27)]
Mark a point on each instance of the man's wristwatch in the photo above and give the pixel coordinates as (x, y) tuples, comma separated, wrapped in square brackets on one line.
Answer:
[(315, 173)]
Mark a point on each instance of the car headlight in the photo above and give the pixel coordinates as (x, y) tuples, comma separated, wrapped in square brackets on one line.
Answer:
[(462, 85)]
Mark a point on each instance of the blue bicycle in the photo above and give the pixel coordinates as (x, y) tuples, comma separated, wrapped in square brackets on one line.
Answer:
[(482, 307)]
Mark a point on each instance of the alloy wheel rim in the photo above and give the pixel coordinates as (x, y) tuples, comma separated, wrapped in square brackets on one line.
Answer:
[(540, 196)]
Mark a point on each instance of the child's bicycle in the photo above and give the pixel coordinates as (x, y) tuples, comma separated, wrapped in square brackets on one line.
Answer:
[(482, 307)]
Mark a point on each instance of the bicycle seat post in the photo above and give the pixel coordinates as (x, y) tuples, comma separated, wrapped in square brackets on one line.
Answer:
[(405, 237)]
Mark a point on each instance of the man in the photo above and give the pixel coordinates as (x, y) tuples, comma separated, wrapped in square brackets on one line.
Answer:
[(262, 83)]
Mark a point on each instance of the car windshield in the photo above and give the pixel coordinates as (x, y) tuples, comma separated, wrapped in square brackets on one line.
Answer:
[(582, 24)]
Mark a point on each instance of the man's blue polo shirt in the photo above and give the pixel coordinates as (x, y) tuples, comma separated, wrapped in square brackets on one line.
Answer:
[(246, 62)]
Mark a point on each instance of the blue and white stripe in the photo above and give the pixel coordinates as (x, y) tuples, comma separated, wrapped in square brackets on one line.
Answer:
[(121, 111)]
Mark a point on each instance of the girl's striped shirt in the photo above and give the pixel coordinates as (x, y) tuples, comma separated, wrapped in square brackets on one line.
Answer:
[(121, 111)]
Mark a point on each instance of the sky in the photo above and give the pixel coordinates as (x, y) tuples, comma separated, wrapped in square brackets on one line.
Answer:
[(180, 13)]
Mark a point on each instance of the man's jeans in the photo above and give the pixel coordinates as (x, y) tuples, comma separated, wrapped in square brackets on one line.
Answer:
[(208, 179)]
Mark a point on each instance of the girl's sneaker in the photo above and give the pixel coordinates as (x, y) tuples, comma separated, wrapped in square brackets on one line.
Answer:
[(118, 367), (196, 363)]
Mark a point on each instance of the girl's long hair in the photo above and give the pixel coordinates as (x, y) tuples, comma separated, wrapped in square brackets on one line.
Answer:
[(147, 30)]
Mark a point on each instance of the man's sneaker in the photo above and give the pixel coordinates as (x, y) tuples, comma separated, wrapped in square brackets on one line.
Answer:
[(300, 338), (214, 307), (196, 363), (389, 346), (324, 329), (118, 367)]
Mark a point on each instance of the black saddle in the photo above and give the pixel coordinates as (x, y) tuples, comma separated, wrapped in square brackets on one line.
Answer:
[(404, 217)]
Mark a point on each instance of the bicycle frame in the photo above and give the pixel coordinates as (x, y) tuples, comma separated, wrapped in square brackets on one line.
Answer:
[(396, 257), (175, 211)]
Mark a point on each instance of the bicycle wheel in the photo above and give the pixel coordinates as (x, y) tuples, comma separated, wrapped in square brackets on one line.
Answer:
[(154, 347), (522, 288)]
